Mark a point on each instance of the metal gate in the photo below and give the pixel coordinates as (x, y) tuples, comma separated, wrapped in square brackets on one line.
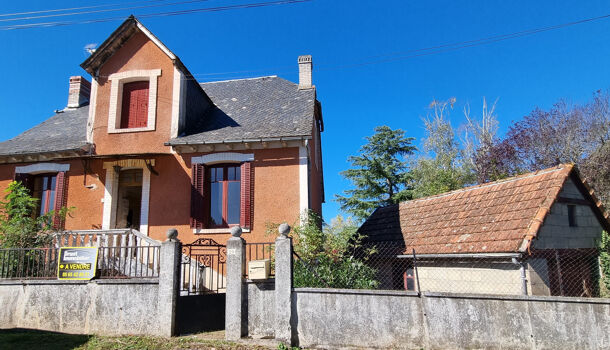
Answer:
[(203, 267)]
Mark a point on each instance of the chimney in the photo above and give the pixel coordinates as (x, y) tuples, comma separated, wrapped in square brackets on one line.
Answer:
[(305, 68), (80, 89)]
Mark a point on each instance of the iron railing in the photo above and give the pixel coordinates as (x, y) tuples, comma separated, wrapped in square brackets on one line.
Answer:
[(260, 251), (112, 262), (129, 262), (32, 263), (203, 267)]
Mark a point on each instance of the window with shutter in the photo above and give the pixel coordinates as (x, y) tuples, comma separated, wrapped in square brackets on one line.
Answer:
[(134, 107), (61, 194), (221, 196)]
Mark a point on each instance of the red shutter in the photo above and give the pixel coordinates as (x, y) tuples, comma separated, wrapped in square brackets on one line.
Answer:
[(61, 194), (246, 196), (198, 212), (134, 107)]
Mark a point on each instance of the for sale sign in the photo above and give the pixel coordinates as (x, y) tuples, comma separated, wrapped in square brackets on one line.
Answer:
[(77, 263)]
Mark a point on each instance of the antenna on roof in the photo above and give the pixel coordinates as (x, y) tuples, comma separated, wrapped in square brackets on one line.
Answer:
[(91, 48)]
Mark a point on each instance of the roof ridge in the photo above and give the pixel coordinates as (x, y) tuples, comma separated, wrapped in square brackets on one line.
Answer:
[(228, 80), (494, 183)]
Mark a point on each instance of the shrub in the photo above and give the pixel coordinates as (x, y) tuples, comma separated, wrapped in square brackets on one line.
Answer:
[(19, 225), (331, 255)]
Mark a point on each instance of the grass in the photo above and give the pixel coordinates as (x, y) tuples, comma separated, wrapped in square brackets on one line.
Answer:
[(34, 339)]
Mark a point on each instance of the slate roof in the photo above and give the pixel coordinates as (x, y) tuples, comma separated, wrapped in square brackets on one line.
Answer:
[(497, 217), (65, 131), (254, 109), (247, 109)]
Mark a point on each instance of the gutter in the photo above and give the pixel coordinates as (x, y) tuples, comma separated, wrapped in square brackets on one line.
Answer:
[(262, 139), (469, 256)]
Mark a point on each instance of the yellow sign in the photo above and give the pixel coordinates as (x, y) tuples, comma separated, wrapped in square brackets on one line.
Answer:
[(77, 263)]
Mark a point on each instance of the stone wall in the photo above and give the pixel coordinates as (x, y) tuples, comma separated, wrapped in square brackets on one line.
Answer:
[(104, 306), (101, 307), (385, 319), (344, 318), (556, 232), (261, 309)]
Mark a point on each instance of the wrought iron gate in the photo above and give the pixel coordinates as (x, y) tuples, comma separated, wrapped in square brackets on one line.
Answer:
[(203, 267)]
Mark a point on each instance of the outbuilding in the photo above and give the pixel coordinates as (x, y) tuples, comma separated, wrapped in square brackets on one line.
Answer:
[(533, 234)]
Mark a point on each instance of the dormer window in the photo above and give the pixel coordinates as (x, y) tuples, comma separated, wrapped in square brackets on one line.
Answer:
[(133, 101), (134, 109)]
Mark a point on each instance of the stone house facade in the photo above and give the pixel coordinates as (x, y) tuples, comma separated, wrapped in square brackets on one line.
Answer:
[(146, 146), (534, 234)]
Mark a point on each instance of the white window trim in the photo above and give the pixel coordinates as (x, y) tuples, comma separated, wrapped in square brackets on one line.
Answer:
[(217, 230), (178, 102), (40, 168), (111, 192), (223, 157), (117, 80)]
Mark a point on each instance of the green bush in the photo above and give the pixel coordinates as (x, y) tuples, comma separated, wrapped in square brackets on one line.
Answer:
[(330, 256), (19, 225)]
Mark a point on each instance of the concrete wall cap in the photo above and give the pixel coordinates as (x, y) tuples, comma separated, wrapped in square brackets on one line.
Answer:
[(284, 229), (172, 234), (236, 231)]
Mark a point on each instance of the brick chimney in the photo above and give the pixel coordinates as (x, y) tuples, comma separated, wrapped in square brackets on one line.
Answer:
[(305, 68), (80, 89)]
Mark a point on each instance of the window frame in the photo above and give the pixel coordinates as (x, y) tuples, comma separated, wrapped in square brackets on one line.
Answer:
[(572, 215), (225, 194), (48, 205), (117, 82), (129, 115), (199, 192)]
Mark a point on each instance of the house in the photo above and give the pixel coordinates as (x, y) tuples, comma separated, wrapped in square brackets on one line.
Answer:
[(533, 234), (144, 145)]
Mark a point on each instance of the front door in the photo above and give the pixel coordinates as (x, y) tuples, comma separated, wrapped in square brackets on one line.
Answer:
[(129, 204)]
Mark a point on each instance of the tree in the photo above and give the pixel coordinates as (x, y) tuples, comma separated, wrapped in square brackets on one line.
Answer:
[(19, 226), (331, 257), (380, 174), (444, 167), (566, 133), (488, 158)]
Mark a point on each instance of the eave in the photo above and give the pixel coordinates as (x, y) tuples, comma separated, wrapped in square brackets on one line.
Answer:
[(240, 144), (45, 156)]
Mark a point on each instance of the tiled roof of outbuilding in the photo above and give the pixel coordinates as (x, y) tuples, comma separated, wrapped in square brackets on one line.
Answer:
[(65, 131), (497, 217), (254, 109)]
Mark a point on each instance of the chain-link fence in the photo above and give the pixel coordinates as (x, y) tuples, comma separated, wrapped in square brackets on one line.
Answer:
[(389, 265)]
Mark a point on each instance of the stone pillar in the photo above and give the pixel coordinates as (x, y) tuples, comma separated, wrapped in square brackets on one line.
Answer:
[(235, 325), (169, 283), (283, 285)]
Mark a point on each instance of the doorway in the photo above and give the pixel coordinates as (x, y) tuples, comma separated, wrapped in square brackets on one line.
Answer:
[(129, 204)]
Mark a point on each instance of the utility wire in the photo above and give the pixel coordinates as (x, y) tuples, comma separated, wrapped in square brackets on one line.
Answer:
[(463, 44), (158, 14), (100, 11), (426, 51), (78, 8)]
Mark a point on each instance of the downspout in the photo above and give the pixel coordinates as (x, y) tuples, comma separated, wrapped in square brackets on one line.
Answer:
[(522, 267)]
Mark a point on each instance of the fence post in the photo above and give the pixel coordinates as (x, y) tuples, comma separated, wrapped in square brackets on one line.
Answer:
[(169, 283), (235, 326), (283, 285)]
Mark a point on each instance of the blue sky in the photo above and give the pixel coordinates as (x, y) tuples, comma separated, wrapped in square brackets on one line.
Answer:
[(523, 73)]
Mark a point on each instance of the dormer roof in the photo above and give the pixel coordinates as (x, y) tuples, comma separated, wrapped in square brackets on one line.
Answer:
[(117, 39)]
